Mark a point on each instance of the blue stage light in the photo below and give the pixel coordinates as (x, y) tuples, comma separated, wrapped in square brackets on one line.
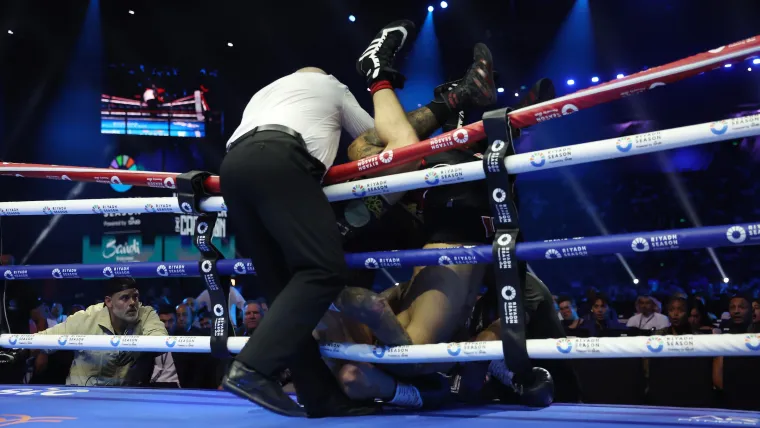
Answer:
[(444, 5), (351, 18), (430, 8), (620, 76), (594, 79), (570, 82)]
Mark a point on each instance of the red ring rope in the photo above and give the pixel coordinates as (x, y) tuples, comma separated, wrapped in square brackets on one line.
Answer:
[(542, 112)]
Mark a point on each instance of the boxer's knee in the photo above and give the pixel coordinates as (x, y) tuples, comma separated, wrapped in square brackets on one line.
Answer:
[(354, 382), (492, 332)]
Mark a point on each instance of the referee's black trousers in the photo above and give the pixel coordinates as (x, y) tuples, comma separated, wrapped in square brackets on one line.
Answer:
[(272, 189)]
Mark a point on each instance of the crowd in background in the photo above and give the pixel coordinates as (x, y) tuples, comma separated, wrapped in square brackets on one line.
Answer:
[(683, 381)]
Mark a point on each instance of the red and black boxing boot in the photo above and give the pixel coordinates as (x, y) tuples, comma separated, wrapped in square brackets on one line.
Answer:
[(477, 88), (376, 63)]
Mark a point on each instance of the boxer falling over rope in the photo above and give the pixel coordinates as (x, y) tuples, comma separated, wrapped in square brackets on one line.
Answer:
[(434, 305)]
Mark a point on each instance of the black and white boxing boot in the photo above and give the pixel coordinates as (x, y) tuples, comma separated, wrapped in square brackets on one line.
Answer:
[(376, 63)]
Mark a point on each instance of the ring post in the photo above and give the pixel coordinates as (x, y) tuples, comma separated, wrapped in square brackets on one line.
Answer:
[(190, 192), (509, 272)]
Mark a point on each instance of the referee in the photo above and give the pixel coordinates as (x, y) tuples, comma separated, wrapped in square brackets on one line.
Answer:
[(271, 183)]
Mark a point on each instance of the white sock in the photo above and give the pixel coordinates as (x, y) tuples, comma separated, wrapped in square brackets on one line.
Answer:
[(499, 370), (407, 396)]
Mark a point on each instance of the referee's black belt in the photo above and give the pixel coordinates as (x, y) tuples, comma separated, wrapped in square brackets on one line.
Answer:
[(278, 128)]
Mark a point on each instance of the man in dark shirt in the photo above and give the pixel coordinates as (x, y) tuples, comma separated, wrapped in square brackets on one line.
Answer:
[(740, 309), (21, 304)]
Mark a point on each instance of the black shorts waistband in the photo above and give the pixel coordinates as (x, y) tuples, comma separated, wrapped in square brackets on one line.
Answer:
[(277, 128)]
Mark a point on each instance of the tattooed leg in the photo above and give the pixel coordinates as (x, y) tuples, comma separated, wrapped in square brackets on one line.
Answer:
[(370, 308), (423, 122)]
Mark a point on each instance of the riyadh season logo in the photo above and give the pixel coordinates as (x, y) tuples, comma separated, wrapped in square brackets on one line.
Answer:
[(508, 293), (453, 349), (108, 272), (460, 136), (431, 177), (379, 351), (752, 342), (171, 341), (239, 268), (115, 341), (640, 245), (206, 266), (8, 274), (358, 190), (719, 128), (569, 109), (162, 271), (564, 346), (736, 234), (624, 144), (444, 261), (218, 310), (386, 157), (186, 207), (504, 240), (62, 340), (371, 263), (537, 159), (499, 195), (553, 254), (655, 344), (202, 227)]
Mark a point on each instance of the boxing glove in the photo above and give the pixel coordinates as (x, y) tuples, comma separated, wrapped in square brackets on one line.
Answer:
[(537, 390)]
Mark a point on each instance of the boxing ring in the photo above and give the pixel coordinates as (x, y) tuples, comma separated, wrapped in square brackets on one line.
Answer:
[(154, 408), (85, 406), (183, 117)]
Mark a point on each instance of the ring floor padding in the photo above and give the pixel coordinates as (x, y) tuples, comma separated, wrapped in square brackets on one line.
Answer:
[(154, 408)]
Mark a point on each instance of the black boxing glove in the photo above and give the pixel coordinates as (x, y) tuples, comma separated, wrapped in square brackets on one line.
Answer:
[(535, 389)]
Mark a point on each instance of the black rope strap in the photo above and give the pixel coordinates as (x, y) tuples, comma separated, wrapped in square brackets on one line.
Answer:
[(190, 192), (509, 272)]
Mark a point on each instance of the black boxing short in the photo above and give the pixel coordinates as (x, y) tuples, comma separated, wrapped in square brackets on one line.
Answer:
[(457, 213), (485, 311)]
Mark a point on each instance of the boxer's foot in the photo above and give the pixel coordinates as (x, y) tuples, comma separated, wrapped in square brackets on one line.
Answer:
[(376, 63), (541, 91), (477, 88), (426, 392)]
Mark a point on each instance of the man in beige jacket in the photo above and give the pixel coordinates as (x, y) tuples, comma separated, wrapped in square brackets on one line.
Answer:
[(120, 314)]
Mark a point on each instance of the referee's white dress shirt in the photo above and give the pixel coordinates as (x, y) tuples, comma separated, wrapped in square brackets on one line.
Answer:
[(315, 105)]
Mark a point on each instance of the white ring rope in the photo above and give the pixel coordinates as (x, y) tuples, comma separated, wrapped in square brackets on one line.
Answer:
[(552, 158), (570, 348)]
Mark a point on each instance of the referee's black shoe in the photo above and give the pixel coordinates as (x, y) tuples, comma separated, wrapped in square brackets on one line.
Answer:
[(267, 393)]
